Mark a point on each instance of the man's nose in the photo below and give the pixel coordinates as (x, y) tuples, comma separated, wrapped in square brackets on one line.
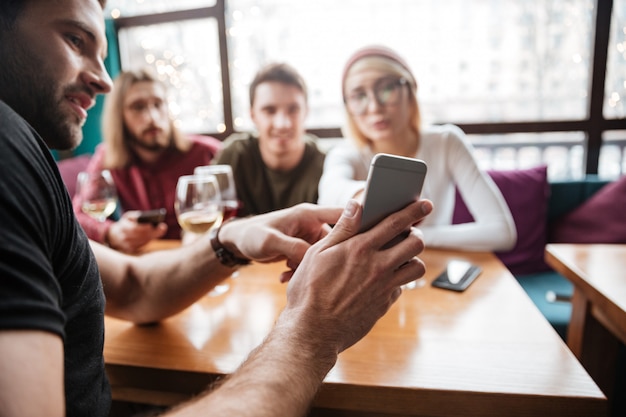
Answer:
[(97, 77), (153, 113), (282, 120)]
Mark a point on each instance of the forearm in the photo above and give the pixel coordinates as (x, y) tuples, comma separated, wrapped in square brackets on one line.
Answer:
[(157, 285), (340, 181), (280, 378), (494, 235)]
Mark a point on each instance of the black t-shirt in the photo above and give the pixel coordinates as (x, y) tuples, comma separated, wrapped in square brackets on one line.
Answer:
[(49, 279)]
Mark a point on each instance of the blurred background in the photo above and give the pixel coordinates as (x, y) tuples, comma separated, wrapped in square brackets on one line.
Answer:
[(530, 81)]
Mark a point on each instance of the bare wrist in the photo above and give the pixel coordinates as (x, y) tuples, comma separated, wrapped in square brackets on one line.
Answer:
[(309, 338), (106, 235)]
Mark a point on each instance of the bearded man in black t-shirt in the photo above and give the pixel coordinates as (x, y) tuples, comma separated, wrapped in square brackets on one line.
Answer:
[(52, 292)]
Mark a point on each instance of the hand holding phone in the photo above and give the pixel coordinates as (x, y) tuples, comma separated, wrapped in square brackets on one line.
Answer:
[(393, 183), (154, 217)]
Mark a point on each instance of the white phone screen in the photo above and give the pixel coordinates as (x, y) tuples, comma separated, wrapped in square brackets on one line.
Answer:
[(457, 270)]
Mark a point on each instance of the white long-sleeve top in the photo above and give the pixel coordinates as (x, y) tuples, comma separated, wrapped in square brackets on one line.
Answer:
[(448, 155)]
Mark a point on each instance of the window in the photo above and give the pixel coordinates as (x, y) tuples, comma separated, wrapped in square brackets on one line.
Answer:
[(613, 154), (475, 61), (186, 57), (508, 73), (615, 87), (117, 8)]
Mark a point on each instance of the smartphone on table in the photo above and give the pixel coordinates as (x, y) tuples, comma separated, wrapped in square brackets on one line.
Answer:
[(457, 276), (154, 217), (393, 182)]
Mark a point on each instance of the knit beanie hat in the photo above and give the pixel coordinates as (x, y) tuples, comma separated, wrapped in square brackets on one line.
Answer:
[(380, 51)]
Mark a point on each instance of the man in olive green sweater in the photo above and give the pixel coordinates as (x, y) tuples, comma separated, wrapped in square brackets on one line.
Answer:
[(281, 166)]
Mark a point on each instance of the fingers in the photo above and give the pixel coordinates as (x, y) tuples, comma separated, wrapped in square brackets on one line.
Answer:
[(131, 215), (347, 225), (321, 214), (159, 230), (284, 246), (286, 276), (128, 236), (408, 245), (409, 271), (399, 222)]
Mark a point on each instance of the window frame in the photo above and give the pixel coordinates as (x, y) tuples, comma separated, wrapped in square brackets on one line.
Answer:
[(593, 126)]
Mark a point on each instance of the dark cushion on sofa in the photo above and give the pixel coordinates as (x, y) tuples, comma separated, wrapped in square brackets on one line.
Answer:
[(600, 219), (566, 195), (526, 191)]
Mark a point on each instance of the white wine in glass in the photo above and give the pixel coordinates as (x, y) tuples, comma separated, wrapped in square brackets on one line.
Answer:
[(97, 193), (198, 221), (226, 181), (208, 213), (198, 203)]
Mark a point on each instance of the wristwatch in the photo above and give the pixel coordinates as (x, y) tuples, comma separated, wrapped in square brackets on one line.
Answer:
[(225, 256)]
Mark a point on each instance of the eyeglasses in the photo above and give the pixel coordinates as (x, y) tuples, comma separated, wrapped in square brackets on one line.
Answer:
[(386, 91)]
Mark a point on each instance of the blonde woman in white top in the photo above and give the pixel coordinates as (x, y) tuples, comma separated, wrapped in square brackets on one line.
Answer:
[(380, 96)]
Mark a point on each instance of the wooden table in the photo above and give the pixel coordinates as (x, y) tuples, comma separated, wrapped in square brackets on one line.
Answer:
[(485, 352), (598, 323)]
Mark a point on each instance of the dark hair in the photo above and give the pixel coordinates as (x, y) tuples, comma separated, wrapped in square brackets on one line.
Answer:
[(11, 9), (279, 72)]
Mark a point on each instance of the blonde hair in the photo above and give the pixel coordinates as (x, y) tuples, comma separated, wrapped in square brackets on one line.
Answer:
[(118, 151), (391, 67)]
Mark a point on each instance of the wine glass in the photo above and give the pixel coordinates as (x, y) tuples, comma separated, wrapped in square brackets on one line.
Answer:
[(97, 193), (199, 208), (226, 181), (198, 203), (230, 204)]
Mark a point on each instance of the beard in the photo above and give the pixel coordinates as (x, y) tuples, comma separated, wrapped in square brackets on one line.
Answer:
[(156, 146), (27, 86)]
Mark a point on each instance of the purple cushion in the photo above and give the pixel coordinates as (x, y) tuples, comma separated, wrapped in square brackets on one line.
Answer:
[(526, 191), (600, 219)]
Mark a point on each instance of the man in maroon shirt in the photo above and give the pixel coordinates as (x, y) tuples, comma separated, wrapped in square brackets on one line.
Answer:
[(145, 154)]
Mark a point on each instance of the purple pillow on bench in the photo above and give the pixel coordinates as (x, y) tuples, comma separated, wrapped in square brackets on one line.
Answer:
[(526, 191), (600, 219)]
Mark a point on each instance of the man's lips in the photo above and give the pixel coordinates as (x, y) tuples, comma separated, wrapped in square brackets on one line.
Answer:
[(153, 131), (282, 137), (81, 103)]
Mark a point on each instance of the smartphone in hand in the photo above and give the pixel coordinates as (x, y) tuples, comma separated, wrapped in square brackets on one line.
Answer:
[(393, 183), (154, 217)]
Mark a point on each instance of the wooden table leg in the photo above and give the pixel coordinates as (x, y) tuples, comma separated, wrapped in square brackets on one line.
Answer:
[(581, 310), (595, 347)]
